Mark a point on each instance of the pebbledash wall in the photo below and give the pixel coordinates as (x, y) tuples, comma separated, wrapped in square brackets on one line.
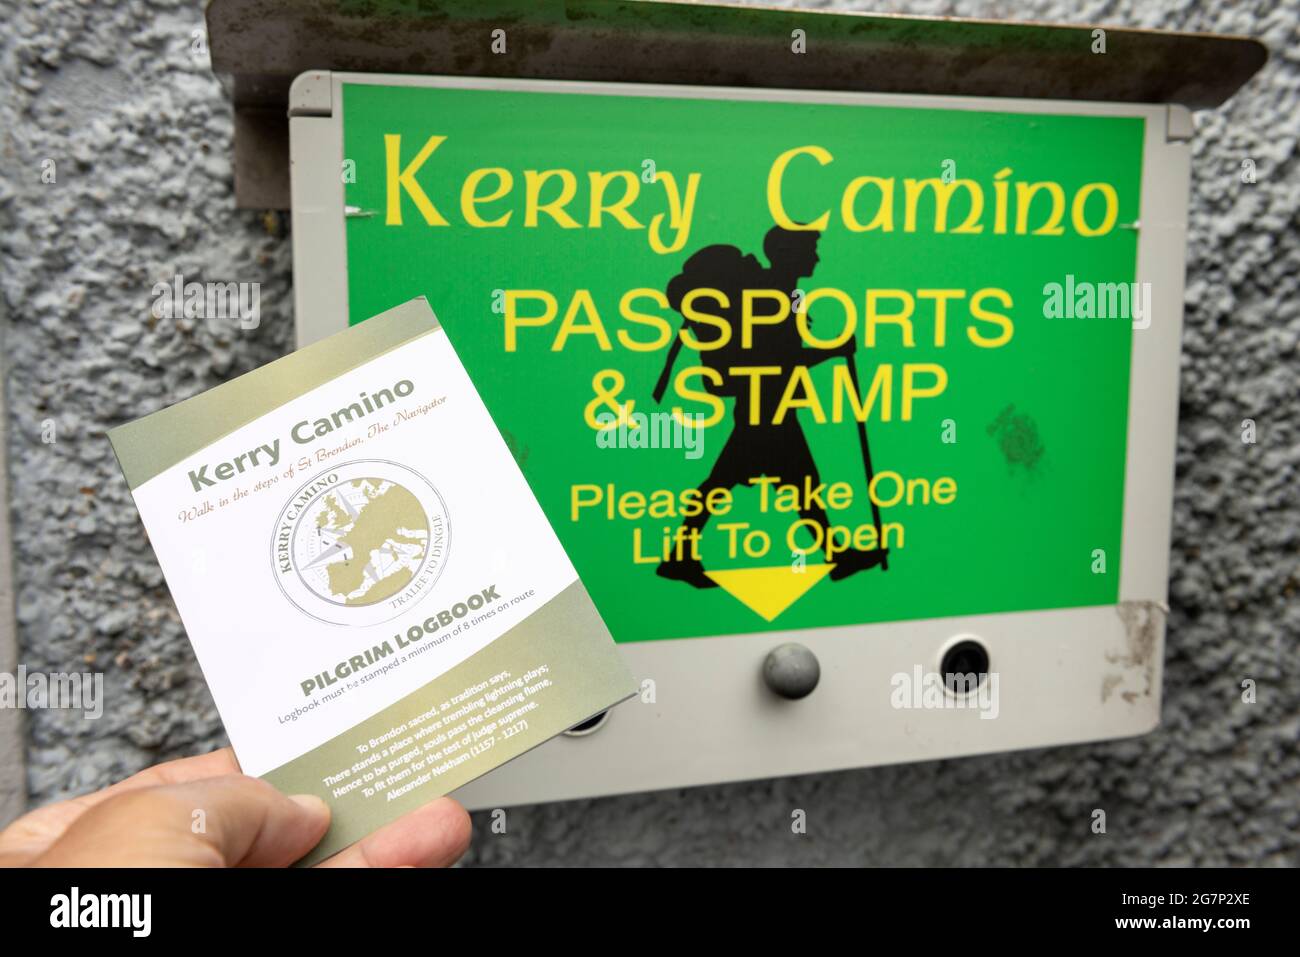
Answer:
[(122, 101)]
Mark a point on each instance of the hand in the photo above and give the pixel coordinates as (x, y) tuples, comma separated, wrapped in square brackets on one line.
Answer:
[(145, 821)]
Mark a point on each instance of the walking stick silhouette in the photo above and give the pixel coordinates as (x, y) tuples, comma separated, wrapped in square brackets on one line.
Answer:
[(852, 363), (662, 385)]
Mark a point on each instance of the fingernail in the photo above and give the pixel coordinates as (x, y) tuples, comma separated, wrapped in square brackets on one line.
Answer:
[(311, 804)]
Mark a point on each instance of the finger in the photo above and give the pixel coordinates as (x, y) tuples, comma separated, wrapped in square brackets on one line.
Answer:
[(435, 835), (35, 831), (214, 764), (230, 821)]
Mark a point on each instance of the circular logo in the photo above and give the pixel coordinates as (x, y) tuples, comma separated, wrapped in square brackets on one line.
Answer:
[(360, 543)]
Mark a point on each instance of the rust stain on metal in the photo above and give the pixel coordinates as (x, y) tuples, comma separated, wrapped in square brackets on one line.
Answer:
[(1135, 663)]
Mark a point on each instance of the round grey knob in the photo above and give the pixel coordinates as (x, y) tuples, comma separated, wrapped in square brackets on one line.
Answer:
[(791, 670)]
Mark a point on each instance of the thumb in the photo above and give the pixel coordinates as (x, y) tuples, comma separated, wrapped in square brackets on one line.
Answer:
[(228, 821)]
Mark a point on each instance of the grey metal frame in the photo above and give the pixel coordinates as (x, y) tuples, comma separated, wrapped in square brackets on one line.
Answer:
[(1065, 675)]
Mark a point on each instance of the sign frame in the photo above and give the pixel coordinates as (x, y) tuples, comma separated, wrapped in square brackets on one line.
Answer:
[(1065, 676)]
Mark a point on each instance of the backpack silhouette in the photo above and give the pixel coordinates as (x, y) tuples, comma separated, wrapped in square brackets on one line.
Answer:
[(730, 271)]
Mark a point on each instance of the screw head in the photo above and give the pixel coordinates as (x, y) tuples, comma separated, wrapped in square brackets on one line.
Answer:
[(791, 670)]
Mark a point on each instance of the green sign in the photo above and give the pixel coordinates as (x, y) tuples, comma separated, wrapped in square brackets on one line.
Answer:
[(777, 365)]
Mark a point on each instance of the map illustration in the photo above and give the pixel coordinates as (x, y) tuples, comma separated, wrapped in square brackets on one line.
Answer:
[(362, 542)]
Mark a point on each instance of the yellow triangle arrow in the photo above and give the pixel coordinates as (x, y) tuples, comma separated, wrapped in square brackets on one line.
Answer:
[(769, 591)]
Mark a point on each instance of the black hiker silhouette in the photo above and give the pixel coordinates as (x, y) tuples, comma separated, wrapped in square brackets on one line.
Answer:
[(759, 449)]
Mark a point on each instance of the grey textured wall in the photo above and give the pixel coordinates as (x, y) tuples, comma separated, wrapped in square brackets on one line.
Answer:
[(140, 134)]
